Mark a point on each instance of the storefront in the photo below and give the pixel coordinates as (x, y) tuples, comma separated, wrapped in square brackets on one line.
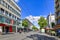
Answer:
[(5, 28)]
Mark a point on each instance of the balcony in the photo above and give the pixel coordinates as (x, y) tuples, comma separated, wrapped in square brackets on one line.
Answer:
[(58, 9), (57, 17), (2, 3), (56, 5)]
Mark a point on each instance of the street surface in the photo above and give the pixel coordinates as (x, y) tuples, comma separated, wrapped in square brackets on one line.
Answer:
[(28, 36)]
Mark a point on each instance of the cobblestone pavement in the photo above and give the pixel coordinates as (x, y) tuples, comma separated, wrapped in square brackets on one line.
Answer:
[(27, 36)]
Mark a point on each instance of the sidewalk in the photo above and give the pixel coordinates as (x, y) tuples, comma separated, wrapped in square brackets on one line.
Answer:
[(6, 35), (12, 35)]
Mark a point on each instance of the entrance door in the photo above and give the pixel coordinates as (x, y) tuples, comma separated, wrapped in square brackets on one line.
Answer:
[(7, 29)]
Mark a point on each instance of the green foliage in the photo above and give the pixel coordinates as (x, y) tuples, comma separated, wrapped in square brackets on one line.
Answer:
[(25, 23), (42, 22), (34, 28)]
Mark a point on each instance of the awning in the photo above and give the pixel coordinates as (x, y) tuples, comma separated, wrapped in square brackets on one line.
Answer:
[(1, 24)]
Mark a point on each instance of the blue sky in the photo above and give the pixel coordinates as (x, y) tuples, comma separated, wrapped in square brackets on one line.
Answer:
[(36, 7)]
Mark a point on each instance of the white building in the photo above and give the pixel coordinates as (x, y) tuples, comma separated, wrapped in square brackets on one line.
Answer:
[(10, 15), (34, 20), (50, 18)]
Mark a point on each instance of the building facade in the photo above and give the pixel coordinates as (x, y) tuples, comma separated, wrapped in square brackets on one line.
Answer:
[(30, 25), (51, 19), (9, 16), (57, 13)]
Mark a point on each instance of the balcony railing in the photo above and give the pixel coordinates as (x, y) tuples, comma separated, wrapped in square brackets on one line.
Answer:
[(9, 7)]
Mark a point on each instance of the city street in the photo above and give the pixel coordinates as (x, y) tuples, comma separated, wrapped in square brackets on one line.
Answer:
[(27, 36)]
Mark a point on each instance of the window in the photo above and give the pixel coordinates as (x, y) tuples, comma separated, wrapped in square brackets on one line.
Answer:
[(8, 6), (13, 16), (6, 13), (7, 20), (59, 13), (58, 21), (0, 17), (8, 1), (5, 4), (2, 10), (2, 2), (10, 14)]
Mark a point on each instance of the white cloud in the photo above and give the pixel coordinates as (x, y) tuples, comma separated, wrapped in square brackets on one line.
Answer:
[(34, 19), (17, 1)]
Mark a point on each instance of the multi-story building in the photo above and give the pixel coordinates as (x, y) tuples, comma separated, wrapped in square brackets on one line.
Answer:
[(9, 16), (57, 13), (30, 25), (51, 19)]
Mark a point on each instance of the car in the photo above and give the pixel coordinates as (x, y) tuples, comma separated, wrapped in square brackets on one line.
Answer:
[(53, 33), (58, 32)]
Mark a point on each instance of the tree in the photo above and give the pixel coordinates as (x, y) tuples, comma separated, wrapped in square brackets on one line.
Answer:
[(52, 24), (34, 28), (42, 22), (25, 23)]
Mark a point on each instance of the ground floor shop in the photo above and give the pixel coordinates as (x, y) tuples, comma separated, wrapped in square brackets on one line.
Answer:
[(7, 28)]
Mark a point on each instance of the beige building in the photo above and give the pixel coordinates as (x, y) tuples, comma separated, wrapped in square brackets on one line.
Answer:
[(9, 16)]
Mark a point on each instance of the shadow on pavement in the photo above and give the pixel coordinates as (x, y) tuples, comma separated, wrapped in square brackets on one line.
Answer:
[(40, 37)]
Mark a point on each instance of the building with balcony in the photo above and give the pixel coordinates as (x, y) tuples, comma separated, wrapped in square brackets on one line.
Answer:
[(10, 14), (57, 14)]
